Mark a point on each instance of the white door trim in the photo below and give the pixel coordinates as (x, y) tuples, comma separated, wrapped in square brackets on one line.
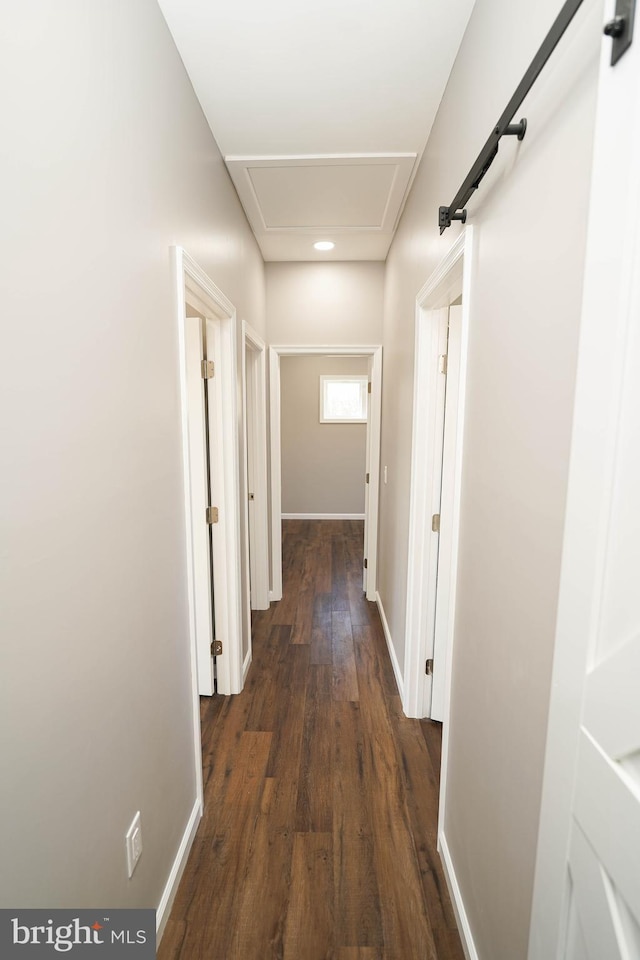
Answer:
[(610, 310), (452, 276), (189, 278), (259, 552), (373, 426)]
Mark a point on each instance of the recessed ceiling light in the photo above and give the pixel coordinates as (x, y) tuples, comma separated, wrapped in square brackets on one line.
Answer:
[(324, 245)]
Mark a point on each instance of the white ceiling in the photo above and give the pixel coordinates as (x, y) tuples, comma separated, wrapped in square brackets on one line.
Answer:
[(320, 110)]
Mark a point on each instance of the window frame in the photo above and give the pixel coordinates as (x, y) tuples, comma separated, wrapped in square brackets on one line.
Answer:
[(361, 379)]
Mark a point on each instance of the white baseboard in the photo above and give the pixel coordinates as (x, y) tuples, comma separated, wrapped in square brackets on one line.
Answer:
[(323, 516), (180, 862), (462, 920), (392, 652), (245, 666)]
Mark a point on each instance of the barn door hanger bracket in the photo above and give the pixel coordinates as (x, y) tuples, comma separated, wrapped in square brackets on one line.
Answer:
[(447, 215), (620, 29)]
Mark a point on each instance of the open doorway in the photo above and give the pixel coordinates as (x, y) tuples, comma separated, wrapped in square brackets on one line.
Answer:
[(323, 426), (367, 506)]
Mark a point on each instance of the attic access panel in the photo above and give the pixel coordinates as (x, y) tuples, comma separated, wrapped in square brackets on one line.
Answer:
[(313, 196)]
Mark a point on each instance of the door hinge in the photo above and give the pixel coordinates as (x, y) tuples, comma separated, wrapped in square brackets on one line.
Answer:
[(207, 369), (366, 564), (435, 523), (212, 515), (369, 387), (443, 363), (429, 668), (216, 648), (366, 479)]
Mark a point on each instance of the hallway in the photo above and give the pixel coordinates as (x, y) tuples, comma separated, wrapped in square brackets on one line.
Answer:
[(318, 838)]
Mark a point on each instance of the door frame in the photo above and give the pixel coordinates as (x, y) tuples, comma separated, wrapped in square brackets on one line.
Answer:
[(452, 277), (610, 308), (189, 279), (254, 415), (373, 429)]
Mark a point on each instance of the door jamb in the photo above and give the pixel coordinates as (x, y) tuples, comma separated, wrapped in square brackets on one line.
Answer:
[(374, 422), (209, 299)]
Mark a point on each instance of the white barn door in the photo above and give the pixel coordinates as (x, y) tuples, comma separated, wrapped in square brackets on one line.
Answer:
[(587, 891), (604, 852)]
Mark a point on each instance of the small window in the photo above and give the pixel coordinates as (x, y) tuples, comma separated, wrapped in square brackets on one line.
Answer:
[(343, 399)]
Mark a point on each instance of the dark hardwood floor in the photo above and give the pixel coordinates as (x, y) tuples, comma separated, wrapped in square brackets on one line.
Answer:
[(318, 840)]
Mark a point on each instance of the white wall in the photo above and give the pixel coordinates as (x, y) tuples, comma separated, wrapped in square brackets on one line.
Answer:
[(106, 162), (530, 218), (318, 303), (323, 464)]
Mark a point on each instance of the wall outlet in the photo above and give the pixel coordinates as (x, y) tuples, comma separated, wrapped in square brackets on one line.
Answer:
[(133, 840), (385, 473)]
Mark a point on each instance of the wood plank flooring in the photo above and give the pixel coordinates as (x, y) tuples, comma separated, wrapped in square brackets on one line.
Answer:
[(318, 840)]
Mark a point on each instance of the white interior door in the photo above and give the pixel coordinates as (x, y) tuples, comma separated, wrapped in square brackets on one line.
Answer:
[(440, 364), (211, 574), (367, 479), (250, 400), (220, 528), (444, 583), (374, 420), (199, 495), (256, 492)]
